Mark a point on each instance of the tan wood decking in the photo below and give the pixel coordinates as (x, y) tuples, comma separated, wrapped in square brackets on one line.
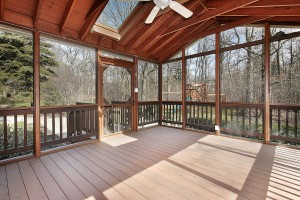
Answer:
[(158, 163)]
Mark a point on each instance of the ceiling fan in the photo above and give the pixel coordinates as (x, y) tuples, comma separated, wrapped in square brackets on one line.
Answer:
[(162, 4)]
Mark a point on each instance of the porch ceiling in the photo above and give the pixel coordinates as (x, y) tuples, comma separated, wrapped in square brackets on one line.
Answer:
[(158, 41)]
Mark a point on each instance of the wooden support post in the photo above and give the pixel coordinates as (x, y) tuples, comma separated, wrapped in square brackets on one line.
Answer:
[(2, 4), (135, 96), (160, 92), (99, 95), (36, 94), (183, 88), (267, 85), (217, 85)]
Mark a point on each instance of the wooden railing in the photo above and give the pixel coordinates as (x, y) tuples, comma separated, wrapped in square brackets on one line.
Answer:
[(200, 115), (172, 113), (285, 123), (148, 113), (60, 126), (16, 132), (117, 118), (67, 124), (242, 119)]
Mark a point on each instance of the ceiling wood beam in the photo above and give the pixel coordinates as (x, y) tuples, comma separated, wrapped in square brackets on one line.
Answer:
[(190, 31), (136, 39), (66, 16), (273, 11), (173, 19), (136, 19), (262, 3), (244, 21), (37, 12), (230, 6), (92, 17), (2, 6), (163, 42)]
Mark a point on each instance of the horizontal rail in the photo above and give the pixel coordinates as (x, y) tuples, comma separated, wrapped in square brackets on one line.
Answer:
[(241, 105)]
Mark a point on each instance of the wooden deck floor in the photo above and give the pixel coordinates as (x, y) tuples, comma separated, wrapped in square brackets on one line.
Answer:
[(159, 163)]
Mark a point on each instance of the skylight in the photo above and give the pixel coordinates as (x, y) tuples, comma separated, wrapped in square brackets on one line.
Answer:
[(116, 12)]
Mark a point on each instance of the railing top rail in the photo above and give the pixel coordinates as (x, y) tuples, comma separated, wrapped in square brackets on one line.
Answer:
[(16, 111), (285, 106), (67, 108), (148, 102), (241, 105), (200, 103), (171, 102)]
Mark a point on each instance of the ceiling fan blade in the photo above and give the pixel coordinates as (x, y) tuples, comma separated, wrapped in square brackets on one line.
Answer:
[(180, 9), (152, 15)]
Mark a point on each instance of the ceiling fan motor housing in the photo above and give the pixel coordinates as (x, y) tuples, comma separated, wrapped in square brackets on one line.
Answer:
[(162, 4)]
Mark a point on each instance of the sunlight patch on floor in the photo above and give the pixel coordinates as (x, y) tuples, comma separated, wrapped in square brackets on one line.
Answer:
[(123, 139)]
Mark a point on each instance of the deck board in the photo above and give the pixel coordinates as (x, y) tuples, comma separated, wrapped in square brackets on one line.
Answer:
[(158, 163)]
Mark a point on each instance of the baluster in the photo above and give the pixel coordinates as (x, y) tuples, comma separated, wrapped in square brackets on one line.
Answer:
[(74, 123), (256, 120), (202, 115), (80, 122), (250, 119), (286, 123), (16, 130), (211, 115), (237, 118), (295, 127), (60, 125), (226, 118), (25, 130), (198, 114), (206, 115), (279, 121), (5, 133), (243, 117), (45, 127), (53, 126), (231, 118), (194, 114)]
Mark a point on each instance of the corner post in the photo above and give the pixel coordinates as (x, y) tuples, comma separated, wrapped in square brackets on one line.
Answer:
[(135, 96), (160, 93), (217, 85), (183, 89), (36, 94), (99, 95), (267, 85)]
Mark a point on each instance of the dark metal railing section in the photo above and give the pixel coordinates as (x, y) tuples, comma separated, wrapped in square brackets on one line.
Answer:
[(148, 113)]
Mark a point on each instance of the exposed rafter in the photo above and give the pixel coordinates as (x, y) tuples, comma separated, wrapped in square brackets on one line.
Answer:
[(2, 5), (92, 17), (66, 16), (37, 12), (230, 6), (136, 39), (134, 19), (243, 21), (190, 31), (278, 11)]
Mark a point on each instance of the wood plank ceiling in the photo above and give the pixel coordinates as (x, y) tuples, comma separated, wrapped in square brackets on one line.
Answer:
[(158, 41)]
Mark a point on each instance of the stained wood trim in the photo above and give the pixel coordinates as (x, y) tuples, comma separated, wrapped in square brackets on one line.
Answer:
[(217, 83), (117, 62), (2, 7), (183, 86), (37, 12), (135, 96), (92, 17), (66, 16), (36, 94), (230, 6), (267, 85), (160, 92), (99, 95)]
